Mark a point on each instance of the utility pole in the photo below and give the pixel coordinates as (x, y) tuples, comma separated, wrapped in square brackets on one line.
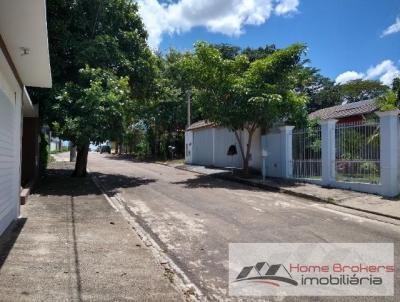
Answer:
[(188, 108)]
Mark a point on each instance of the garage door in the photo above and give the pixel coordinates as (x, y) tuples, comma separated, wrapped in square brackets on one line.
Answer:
[(9, 162), (202, 147)]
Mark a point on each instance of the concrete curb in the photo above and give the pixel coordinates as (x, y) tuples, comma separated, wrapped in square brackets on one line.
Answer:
[(277, 188), (181, 282)]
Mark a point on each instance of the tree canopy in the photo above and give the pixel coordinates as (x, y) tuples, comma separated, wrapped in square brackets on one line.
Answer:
[(91, 109), (108, 36), (241, 94), (358, 90)]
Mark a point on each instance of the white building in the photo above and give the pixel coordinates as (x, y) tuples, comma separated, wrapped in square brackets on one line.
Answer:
[(208, 145), (24, 61)]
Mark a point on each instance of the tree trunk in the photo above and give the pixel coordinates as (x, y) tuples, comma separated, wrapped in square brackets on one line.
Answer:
[(246, 156), (81, 161)]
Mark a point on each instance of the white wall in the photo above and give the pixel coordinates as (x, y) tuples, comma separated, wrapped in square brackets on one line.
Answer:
[(271, 143), (203, 146), (223, 140), (210, 147), (10, 144)]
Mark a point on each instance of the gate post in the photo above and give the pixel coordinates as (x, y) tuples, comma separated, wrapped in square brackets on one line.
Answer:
[(328, 151), (389, 132), (286, 147)]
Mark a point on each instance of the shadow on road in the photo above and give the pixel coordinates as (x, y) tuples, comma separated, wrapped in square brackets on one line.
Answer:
[(113, 182), (58, 182), (220, 180)]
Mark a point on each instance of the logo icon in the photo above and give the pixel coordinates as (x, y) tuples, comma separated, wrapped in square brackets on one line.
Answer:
[(262, 272)]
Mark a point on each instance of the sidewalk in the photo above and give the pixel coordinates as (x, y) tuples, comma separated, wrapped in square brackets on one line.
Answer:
[(71, 245), (368, 203)]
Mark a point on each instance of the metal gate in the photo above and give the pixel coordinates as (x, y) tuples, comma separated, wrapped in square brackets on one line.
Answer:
[(306, 153), (358, 152)]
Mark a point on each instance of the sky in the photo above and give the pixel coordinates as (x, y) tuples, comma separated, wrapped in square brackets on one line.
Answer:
[(346, 39)]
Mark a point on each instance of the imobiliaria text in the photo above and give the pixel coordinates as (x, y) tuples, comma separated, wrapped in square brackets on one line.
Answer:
[(341, 274)]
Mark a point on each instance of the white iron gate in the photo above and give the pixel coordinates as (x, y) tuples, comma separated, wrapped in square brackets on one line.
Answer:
[(358, 152), (306, 153)]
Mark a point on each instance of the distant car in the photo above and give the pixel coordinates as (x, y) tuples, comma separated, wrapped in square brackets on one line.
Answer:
[(105, 149)]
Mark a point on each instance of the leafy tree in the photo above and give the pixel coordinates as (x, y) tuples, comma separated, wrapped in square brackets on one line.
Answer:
[(164, 113), (396, 88), (227, 51), (388, 101), (358, 90), (322, 93), (258, 53), (101, 34), (90, 110), (243, 95)]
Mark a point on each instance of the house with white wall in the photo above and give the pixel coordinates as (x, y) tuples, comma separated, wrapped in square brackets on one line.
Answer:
[(24, 61), (207, 144), (355, 147)]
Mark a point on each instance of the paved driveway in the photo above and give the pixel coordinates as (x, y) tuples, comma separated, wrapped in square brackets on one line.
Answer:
[(195, 217)]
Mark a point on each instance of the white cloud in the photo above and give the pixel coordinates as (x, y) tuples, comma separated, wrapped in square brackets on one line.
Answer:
[(392, 29), (385, 72), (286, 6), (348, 76), (220, 16)]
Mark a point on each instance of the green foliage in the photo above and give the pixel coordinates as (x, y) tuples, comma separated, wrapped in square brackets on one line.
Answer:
[(109, 37), (164, 114), (358, 90), (322, 91), (63, 149), (396, 88), (325, 93), (100, 34), (91, 109), (388, 101), (238, 94)]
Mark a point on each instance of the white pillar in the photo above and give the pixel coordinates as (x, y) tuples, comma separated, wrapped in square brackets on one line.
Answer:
[(213, 146), (328, 151), (286, 151), (388, 152)]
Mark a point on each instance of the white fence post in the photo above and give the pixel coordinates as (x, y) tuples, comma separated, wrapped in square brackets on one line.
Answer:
[(328, 151), (286, 147), (213, 146), (388, 152)]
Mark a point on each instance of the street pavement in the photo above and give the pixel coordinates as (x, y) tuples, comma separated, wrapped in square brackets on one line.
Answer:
[(71, 245), (194, 217)]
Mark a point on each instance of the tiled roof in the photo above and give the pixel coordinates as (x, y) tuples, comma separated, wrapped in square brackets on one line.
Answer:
[(200, 124), (340, 111)]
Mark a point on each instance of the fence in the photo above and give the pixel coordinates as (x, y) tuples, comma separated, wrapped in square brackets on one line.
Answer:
[(357, 152), (306, 153), (360, 156)]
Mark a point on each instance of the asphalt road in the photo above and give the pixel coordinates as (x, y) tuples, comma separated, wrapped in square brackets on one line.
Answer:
[(195, 217)]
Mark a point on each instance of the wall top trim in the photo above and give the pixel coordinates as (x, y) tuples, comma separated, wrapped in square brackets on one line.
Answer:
[(388, 113)]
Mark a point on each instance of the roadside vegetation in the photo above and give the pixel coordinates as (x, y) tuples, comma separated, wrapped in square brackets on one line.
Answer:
[(109, 85)]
